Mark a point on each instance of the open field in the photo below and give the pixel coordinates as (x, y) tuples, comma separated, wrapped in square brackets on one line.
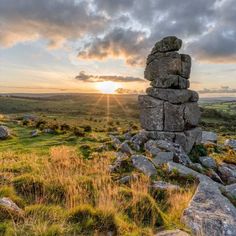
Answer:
[(60, 177)]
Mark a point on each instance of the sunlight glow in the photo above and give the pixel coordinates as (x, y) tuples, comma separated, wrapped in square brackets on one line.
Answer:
[(107, 87)]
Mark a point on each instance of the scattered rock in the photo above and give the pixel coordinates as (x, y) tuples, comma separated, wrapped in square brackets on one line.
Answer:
[(116, 142), (4, 132), (30, 117), (208, 162), (34, 133), (161, 185), (8, 203), (151, 147), (162, 158), (230, 191), (174, 96), (228, 173), (209, 137), (49, 131), (141, 163), (125, 148), (197, 167), (174, 232), (231, 143), (139, 139)]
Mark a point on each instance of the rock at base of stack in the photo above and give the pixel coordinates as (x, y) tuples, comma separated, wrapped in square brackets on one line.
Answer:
[(170, 110)]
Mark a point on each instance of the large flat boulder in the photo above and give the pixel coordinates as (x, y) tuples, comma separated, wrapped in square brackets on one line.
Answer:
[(208, 136), (142, 163), (210, 213), (171, 81), (175, 96)]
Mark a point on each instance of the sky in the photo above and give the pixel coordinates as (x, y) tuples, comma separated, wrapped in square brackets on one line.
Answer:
[(73, 45)]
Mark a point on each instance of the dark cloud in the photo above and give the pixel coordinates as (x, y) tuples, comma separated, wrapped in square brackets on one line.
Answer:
[(100, 78), (119, 42), (123, 28), (54, 20)]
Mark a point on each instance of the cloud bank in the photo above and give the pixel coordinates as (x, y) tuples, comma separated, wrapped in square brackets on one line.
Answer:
[(101, 78), (124, 29)]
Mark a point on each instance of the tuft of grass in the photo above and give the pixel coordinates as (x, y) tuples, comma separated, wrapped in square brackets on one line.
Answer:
[(88, 219), (29, 186)]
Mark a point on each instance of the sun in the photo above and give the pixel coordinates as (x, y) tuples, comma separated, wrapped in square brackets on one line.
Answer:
[(107, 87)]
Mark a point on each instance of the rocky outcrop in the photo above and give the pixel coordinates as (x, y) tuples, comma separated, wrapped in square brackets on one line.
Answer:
[(170, 111), (4, 132), (209, 212)]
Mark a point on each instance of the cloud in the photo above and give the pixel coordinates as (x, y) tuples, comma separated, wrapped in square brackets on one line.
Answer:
[(100, 78), (129, 91), (223, 89), (124, 29), (119, 42), (54, 20)]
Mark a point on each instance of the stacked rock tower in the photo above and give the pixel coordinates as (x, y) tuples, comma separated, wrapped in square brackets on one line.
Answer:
[(170, 110)]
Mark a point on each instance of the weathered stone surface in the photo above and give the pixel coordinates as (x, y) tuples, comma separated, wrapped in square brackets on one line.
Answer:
[(162, 158), (230, 191), (165, 145), (125, 148), (175, 96), (197, 167), (210, 213), (170, 43), (208, 162), (151, 113), (139, 139), (191, 114), (180, 139), (4, 132), (8, 203), (161, 65), (161, 185), (228, 173), (175, 232), (172, 81), (115, 141), (193, 136), (231, 143), (141, 163), (151, 147), (174, 117), (209, 137), (185, 66), (161, 135)]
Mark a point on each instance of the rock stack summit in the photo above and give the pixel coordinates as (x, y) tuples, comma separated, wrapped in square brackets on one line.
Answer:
[(170, 110)]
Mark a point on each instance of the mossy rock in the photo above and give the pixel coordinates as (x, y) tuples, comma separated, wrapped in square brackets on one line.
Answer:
[(87, 219)]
